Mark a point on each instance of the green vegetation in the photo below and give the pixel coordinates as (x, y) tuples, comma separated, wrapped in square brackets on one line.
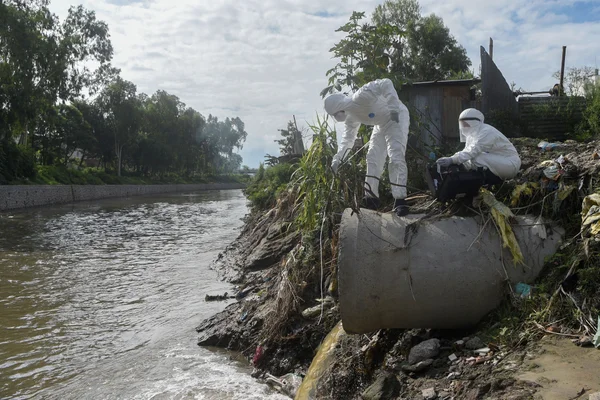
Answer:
[(400, 44), (590, 126), (59, 114), (60, 175), (268, 184)]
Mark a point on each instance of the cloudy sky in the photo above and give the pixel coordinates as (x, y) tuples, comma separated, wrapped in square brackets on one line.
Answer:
[(265, 60)]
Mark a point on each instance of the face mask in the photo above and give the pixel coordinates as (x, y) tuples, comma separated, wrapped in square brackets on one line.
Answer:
[(466, 131), (340, 116)]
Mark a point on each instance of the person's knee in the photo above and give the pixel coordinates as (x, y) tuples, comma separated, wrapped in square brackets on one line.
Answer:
[(398, 164)]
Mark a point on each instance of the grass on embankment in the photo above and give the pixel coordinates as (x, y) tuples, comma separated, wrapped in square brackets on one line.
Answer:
[(58, 175)]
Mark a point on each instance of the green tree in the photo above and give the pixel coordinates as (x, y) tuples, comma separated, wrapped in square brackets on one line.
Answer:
[(427, 50), (578, 80), (291, 142), (218, 139), (364, 54), (25, 57), (122, 112), (73, 132), (162, 131), (47, 70), (191, 122), (43, 61), (102, 145), (400, 13)]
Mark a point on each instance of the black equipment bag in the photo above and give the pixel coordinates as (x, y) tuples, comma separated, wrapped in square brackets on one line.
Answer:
[(453, 182)]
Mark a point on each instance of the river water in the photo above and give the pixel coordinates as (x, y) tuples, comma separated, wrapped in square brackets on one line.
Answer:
[(99, 300)]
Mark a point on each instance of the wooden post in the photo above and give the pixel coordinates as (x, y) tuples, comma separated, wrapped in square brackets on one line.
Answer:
[(491, 49), (562, 71)]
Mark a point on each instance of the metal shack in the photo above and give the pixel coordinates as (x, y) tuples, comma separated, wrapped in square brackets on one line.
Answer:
[(435, 106)]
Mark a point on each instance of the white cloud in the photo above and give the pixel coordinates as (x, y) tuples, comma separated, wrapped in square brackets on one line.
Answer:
[(265, 61)]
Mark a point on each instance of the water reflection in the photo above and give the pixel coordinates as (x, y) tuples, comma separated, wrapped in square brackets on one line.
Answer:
[(99, 300)]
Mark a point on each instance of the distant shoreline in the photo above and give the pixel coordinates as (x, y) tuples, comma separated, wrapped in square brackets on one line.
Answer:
[(13, 197)]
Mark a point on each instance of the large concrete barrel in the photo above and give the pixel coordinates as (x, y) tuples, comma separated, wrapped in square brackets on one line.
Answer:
[(398, 272)]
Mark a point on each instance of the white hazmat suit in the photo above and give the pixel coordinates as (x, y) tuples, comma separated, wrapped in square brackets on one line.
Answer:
[(485, 147), (377, 104)]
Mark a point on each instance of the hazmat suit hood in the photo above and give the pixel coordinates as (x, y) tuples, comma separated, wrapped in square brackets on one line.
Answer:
[(475, 120), (336, 102)]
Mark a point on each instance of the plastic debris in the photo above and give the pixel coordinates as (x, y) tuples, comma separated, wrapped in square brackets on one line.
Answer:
[(483, 351), (590, 213), (316, 310), (502, 215), (452, 357), (564, 192), (288, 383), (552, 172), (521, 190), (546, 164), (522, 289), (258, 354), (546, 146)]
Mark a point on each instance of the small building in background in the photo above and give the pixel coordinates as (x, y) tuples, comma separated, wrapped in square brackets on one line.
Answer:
[(435, 106)]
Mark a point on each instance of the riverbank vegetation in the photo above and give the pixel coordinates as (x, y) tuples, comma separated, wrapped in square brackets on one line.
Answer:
[(64, 109)]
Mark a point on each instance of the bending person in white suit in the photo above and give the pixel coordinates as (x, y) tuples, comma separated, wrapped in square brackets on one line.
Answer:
[(376, 104)]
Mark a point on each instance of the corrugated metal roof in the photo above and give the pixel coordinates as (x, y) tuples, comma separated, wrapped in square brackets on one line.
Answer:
[(457, 82)]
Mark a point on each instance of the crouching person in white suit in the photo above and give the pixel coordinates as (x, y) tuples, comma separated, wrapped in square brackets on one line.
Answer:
[(485, 148)]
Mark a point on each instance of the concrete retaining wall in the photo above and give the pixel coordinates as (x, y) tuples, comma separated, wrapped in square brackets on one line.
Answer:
[(23, 196)]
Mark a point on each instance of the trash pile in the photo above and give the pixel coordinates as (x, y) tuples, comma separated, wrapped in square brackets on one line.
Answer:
[(559, 166)]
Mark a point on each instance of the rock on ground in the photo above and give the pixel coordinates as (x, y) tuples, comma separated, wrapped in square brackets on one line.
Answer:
[(423, 351), (474, 343), (385, 387)]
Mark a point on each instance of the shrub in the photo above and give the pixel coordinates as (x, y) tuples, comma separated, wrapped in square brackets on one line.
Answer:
[(267, 184)]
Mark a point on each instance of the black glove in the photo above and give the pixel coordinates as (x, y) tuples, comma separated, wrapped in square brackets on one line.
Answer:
[(394, 116)]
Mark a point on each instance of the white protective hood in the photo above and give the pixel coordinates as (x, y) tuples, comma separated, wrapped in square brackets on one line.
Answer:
[(336, 102), (474, 118)]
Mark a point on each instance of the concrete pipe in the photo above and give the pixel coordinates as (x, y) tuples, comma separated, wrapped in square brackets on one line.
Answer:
[(404, 273)]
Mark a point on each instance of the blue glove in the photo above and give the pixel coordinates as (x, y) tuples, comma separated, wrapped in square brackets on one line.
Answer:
[(394, 116), (444, 162)]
